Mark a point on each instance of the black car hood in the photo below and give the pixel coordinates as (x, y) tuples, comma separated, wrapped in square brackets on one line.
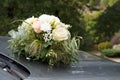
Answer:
[(90, 67)]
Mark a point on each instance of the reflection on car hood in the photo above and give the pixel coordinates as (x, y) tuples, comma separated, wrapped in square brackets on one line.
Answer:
[(90, 67)]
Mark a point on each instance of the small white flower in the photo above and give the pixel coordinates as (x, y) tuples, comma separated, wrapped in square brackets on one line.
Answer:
[(48, 36)]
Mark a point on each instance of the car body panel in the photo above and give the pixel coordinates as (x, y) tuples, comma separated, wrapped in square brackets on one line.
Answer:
[(90, 67)]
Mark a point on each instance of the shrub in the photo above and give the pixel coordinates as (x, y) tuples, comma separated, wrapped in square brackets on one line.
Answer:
[(111, 52), (104, 45)]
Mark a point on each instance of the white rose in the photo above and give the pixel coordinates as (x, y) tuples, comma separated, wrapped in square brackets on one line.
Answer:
[(36, 26), (55, 21), (60, 34), (45, 18), (30, 20), (45, 27), (27, 23), (63, 25), (49, 19)]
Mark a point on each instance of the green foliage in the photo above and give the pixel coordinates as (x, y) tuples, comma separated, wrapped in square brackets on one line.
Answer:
[(65, 52), (104, 45), (90, 17), (13, 10), (112, 2), (107, 3), (108, 23), (111, 52), (90, 22)]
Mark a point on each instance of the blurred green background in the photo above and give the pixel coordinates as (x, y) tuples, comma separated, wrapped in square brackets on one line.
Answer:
[(94, 20)]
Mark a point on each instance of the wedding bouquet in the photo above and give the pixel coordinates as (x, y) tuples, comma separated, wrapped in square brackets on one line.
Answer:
[(45, 38)]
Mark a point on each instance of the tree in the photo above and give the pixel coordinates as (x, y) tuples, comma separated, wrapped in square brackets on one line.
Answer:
[(108, 23)]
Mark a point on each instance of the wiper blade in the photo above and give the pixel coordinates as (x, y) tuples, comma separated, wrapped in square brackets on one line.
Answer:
[(13, 68)]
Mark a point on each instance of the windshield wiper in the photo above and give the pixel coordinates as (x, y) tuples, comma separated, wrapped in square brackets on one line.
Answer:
[(13, 67)]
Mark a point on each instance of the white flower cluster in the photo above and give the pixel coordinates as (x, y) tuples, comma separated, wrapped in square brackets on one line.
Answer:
[(50, 25), (48, 36)]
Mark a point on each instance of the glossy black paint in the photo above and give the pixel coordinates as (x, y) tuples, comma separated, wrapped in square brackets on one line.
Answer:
[(90, 67)]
